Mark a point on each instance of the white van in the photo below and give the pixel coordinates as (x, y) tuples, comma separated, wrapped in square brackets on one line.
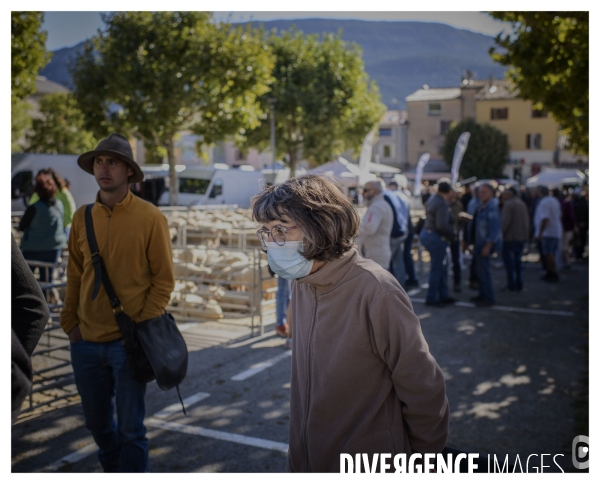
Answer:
[(215, 186), (24, 167)]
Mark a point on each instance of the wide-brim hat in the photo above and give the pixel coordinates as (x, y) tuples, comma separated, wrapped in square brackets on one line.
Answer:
[(115, 145)]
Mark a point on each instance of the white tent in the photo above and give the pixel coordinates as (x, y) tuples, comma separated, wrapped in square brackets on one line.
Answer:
[(555, 177), (382, 169), (349, 173), (346, 172)]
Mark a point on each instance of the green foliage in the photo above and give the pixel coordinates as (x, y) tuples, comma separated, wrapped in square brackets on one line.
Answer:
[(28, 52), (20, 122), (487, 152), (548, 57), (28, 56), (60, 128), (153, 74), (325, 104), (154, 155)]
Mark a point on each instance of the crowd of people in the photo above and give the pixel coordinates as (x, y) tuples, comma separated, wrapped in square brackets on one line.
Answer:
[(471, 223)]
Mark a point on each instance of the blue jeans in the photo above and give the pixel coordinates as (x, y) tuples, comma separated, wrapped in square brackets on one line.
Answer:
[(512, 251), (397, 261), (484, 276), (473, 268), (549, 245), (438, 273), (101, 375), (50, 256), (282, 300), (538, 244), (456, 269), (409, 264)]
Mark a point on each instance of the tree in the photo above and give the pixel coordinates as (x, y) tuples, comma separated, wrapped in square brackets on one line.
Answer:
[(548, 55), (60, 129), (154, 74), (487, 152), (20, 122), (324, 101), (28, 56), (28, 51)]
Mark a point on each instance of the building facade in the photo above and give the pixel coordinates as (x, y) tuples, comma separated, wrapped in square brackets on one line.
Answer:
[(391, 145), (533, 135), (430, 115)]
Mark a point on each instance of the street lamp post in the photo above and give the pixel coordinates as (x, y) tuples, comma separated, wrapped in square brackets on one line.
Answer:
[(272, 102)]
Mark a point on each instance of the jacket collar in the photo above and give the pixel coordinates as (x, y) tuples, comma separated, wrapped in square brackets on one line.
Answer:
[(375, 199), (328, 276), (437, 196), (123, 204), (493, 203)]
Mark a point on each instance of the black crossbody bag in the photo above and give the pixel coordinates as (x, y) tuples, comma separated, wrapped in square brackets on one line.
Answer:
[(155, 348)]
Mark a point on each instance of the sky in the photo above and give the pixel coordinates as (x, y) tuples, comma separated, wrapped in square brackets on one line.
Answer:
[(68, 28)]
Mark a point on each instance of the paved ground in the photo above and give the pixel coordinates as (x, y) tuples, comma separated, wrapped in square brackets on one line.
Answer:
[(512, 376)]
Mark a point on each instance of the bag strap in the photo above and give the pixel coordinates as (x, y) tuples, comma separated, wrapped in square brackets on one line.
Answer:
[(100, 274), (179, 395), (126, 325)]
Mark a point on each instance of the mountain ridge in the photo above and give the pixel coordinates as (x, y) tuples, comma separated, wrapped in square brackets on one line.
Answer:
[(400, 56)]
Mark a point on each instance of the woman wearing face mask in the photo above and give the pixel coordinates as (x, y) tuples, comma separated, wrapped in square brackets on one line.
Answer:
[(42, 226), (363, 380)]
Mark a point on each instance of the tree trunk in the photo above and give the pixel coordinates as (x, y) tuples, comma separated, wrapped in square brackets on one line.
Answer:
[(292, 163), (173, 182)]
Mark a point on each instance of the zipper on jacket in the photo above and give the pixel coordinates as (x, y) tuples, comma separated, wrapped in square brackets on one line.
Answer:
[(310, 347)]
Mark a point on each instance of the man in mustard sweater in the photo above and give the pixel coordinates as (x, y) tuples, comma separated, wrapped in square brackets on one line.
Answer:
[(134, 242)]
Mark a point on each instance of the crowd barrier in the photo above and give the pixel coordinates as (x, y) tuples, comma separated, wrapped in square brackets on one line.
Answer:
[(51, 360)]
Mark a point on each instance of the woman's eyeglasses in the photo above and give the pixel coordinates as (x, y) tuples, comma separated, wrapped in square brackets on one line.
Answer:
[(277, 233)]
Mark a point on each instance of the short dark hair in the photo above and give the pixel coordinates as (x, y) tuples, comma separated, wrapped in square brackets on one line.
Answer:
[(489, 186), (512, 191), (543, 191), (316, 203), (444, 186)]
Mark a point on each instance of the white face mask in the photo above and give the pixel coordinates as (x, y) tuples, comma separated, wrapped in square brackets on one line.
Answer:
[(286, 260)]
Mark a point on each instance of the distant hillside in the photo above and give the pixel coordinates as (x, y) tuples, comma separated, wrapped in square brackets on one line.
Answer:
[(399, 56), (57, 69)]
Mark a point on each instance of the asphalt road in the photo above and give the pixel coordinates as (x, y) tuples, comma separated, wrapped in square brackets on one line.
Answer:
[(512, 374)]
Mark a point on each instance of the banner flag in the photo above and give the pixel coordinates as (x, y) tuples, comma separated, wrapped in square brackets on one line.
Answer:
[(365, 157), (459, 151), (419, 174)]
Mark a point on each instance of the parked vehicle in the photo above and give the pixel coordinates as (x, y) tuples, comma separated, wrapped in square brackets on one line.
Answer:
[(198, 185), (216, 186), (275, 177)]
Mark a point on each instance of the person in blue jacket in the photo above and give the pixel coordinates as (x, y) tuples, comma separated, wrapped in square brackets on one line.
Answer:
[(469, 234), (488, 239)]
